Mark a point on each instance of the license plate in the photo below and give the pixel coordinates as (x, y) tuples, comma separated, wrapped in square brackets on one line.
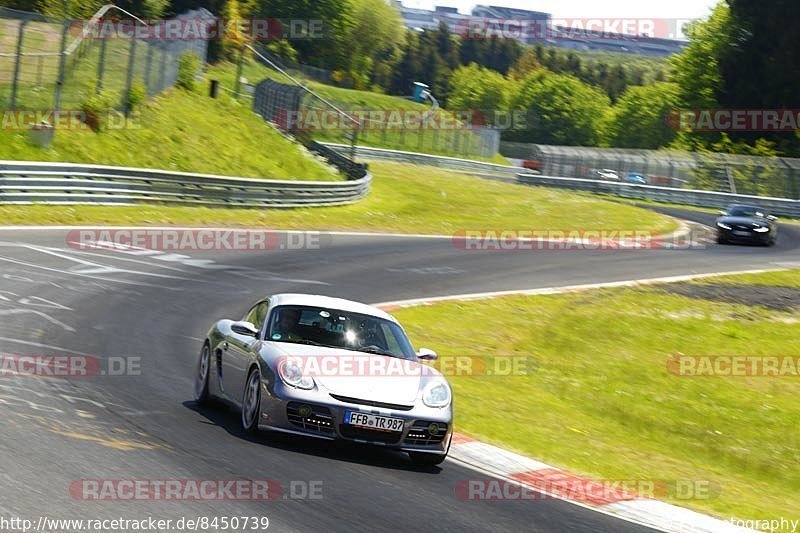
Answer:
[(742, 233), (377, 422)]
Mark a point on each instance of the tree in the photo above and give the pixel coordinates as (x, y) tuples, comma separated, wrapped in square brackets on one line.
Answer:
[(234, 38), (376, 38), (478, 88), (697, 69), (333, 49), (527, 63), (561, 110), (640, 117)]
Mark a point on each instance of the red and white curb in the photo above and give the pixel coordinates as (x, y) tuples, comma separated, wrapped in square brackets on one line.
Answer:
[(551, 482)]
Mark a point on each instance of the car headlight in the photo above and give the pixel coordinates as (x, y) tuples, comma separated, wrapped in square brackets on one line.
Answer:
[(761, 229), (437, 394), (292, 374), (723, 225)]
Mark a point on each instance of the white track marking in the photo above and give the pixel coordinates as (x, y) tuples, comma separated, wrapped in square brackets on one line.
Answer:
[(48, 346), (20, 311), (568, 288)]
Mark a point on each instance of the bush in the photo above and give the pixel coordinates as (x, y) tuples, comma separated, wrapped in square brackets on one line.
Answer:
[(95, 107), (188, 64), (136, 96)]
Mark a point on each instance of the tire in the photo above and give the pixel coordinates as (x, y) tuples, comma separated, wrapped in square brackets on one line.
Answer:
[(772, 240), (427, 459), (721, 240), (201, 395), (251, 402)]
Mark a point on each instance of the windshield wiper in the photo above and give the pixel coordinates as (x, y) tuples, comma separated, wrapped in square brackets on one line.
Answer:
[(376, 352), (312, 343)]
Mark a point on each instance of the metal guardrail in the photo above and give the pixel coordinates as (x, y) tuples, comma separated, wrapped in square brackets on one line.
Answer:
[(777, 206), (700, 198), (23, 182), (450, 163)]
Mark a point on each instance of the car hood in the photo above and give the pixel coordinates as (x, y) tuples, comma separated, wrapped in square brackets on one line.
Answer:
[(360, 375), (744, 221)]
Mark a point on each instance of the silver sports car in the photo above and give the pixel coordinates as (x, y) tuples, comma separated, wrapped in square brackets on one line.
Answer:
[(331, 369)]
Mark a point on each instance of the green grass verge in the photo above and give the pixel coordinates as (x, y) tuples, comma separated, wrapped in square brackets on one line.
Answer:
[(182, 131), (404, 198), (601, 402)]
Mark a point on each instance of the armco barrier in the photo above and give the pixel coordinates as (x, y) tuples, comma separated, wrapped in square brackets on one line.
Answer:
[(23, 182), (451, 163), (777, 206)]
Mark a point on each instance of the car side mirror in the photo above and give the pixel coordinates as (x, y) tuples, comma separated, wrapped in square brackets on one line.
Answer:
[(772, 217), (244, 328), (722, 212), (426, 354)]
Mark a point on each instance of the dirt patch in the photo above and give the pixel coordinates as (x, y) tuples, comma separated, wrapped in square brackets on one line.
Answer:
[(776, 298)]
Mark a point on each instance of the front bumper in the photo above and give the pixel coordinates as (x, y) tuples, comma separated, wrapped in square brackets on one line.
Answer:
[(744, 236), (315, 413)]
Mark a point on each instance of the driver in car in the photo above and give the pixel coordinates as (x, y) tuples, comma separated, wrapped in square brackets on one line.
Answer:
[(287, 325)]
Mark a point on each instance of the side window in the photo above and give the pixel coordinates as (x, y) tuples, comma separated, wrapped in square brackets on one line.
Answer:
[(258, 314), (261, 314), (251, 315)]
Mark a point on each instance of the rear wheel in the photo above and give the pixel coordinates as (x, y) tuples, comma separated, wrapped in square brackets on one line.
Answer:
[(201, 381), (251, 402), (426, 459)]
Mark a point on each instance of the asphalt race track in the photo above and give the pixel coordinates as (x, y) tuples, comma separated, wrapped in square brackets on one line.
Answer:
[(57, 300)]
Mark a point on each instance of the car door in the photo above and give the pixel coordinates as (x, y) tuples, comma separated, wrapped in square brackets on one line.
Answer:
[(241, 351)]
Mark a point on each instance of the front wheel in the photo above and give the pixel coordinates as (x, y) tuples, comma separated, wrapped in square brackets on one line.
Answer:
[(251, 402), (201, 381), (426, 459)]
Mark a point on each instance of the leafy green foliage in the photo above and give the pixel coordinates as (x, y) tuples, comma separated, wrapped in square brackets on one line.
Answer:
[(563, 110), (640, 118), (188, 64)]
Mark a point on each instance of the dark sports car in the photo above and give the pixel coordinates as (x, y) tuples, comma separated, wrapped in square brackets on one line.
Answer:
[(746, 224)]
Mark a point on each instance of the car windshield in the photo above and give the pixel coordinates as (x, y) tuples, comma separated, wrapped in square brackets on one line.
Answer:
[(746, 211), (335, 328)]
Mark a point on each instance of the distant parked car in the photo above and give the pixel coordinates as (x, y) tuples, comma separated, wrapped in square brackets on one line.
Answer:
[(532, 164), (746, 223), (637, 178), (606, 174)]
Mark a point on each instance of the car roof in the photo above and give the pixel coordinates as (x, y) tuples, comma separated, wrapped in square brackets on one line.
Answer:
[(317, 300)]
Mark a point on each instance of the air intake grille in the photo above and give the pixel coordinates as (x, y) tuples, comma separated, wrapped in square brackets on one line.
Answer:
[(316, 419)]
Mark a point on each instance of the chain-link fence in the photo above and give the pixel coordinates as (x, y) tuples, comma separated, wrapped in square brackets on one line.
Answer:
[(777, 177), (342, 116), (57, 64)]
